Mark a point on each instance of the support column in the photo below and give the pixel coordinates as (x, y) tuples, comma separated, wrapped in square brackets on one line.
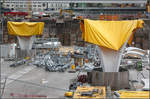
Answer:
[(110, 59)]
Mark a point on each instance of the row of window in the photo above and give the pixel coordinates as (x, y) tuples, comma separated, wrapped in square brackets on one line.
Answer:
[(22, 5), (59, 4), (34, 6), (41, 5)]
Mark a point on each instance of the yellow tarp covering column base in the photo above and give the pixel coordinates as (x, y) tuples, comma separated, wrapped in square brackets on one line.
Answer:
[(25, 28), (109, 34)]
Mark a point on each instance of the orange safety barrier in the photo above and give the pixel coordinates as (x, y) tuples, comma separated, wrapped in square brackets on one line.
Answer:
[(109, 17)]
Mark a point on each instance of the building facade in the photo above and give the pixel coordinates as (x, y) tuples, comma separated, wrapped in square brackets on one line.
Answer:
[(41, 5), (36, 5)]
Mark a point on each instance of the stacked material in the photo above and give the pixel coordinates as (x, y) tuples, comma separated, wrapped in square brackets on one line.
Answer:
[(47, 43), (132, 56), (90, 92), (53, 62)]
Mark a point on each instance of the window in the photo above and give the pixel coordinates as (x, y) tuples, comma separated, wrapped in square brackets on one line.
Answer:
[(44, 4), (21, 5), (24, 5), (34, 5), (39, 5)]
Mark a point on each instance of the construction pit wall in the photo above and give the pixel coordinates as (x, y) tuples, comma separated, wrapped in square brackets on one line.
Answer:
[(69, 33)]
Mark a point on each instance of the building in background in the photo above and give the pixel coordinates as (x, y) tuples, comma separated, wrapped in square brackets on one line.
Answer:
[(122, 9), (37, 5), (41, 5)]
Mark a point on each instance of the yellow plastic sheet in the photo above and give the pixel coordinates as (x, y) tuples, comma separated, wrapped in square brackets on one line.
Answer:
[(134, 94), (25, 28), (109, 34)]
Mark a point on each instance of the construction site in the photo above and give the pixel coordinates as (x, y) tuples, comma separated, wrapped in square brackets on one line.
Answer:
[(75, 49)]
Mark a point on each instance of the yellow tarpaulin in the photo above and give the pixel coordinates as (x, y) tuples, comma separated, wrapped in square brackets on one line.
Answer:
[(25, 28), (109, 34)]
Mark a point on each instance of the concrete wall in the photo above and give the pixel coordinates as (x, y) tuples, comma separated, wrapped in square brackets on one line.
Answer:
[(147, 22)]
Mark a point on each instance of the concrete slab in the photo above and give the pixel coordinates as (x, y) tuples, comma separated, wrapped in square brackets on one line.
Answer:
[(35, 81)]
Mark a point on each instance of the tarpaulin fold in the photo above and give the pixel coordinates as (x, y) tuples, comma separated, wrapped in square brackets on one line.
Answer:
[(109, 34), (25, 28)]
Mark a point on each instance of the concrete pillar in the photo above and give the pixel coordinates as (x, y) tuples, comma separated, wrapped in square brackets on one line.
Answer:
[(147, 22)]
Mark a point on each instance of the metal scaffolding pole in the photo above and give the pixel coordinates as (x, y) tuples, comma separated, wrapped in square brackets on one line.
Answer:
[(1, 21), (1, 31)]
